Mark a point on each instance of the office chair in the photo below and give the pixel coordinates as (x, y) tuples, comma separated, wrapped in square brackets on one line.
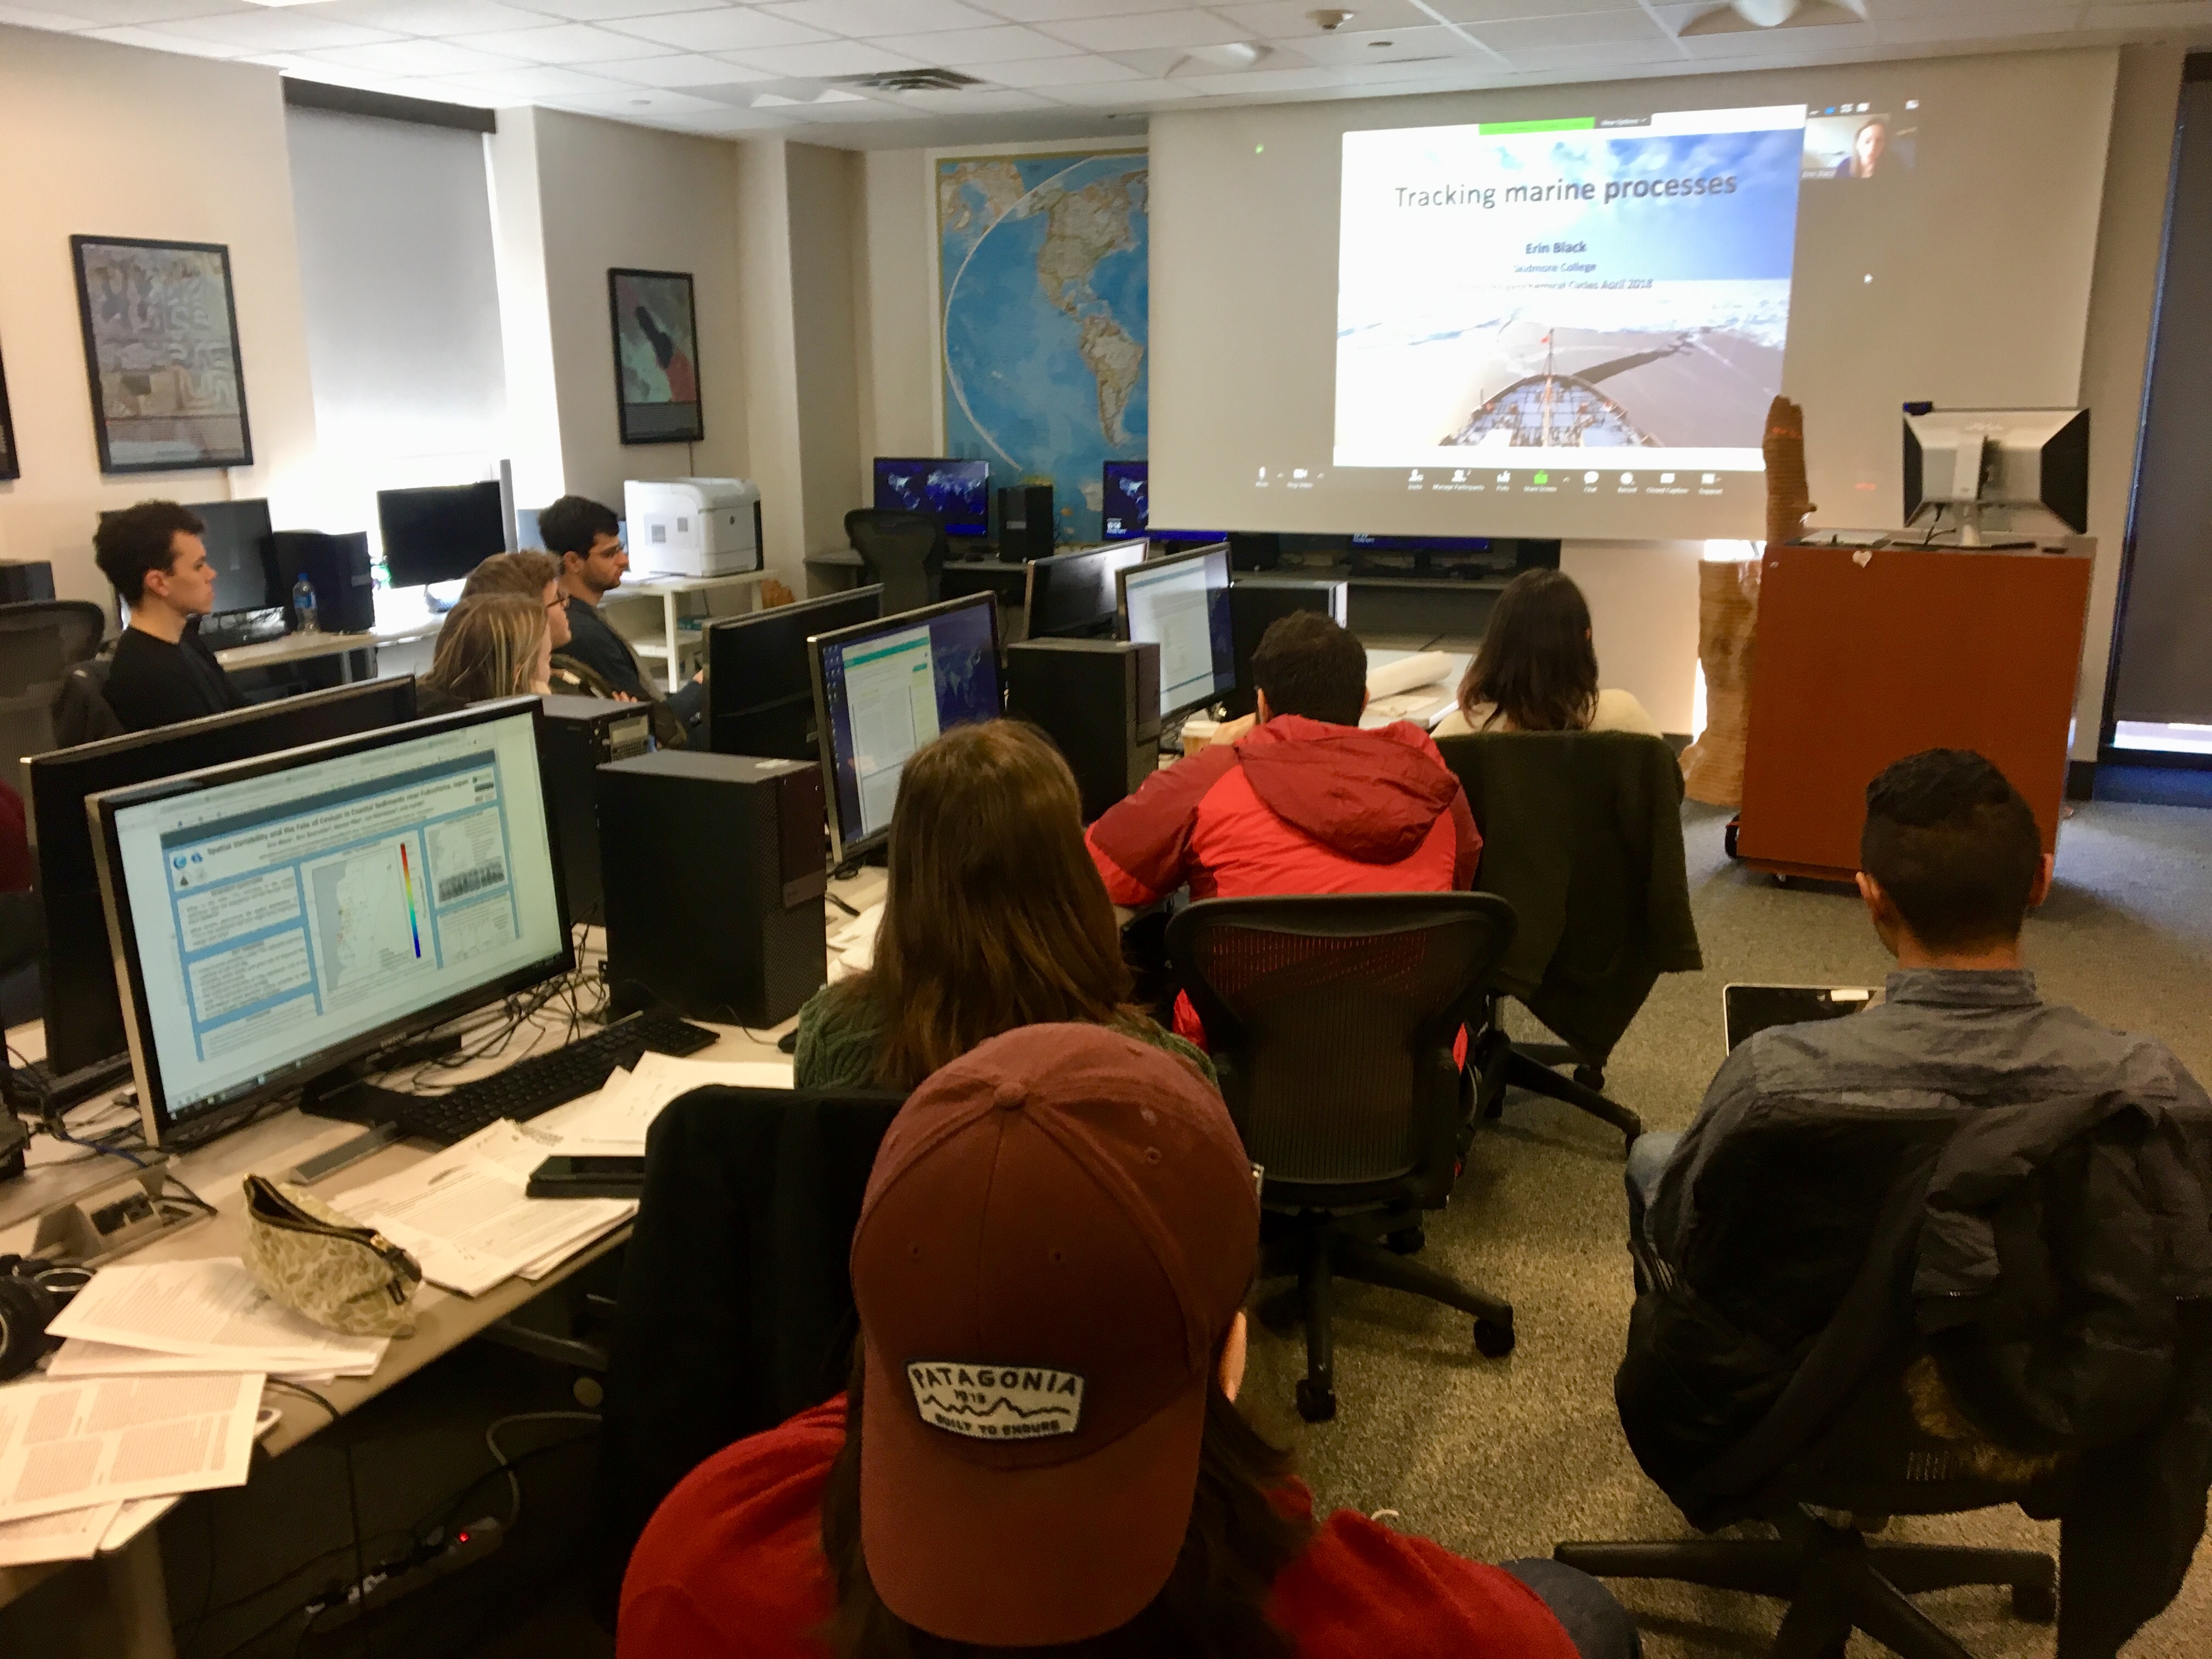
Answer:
[(40, 641), (904, 552), (1331, 1021), (1798, 1276), (1581, 834)]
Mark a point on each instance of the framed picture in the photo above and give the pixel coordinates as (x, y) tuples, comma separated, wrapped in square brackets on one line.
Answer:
[(160, 349), (10, 466), (656, 356)]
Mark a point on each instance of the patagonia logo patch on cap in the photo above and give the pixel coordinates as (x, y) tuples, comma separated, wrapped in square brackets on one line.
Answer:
[(996, 1402)]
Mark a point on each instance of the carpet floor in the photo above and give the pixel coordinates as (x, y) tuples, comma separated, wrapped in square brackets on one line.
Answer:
[(1502, 1458)]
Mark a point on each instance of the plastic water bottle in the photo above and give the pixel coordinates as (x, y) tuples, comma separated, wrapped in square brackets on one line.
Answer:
[(303, 607)]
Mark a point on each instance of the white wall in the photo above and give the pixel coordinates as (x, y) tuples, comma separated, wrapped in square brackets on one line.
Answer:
[(771, 351), (1643, 620), (899, 387), (106, 140), (823, 190)]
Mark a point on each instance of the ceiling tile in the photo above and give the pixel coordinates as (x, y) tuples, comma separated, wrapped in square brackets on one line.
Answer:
[(432, 18), (828, 58), (416, 58), (1573, 28), (1350, 50), (689, 69), (1292, 20), (1049, 11), (1302, 78), (1128, 94), (1967, 22), (518, 86), (725, 28), (969, 100), (1599, 55), (1186, 28), (155, 39), (598, 11), (1475, 12), (867, 19), (1008, 42), (113, 14), (263, 30), (1086, 69), (561, 43)]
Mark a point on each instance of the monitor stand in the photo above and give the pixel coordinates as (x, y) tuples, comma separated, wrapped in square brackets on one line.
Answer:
[(344, 1092)]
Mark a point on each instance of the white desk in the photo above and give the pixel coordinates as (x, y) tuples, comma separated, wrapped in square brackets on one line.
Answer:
[(670, 646), (300, 647), (134, 1585)]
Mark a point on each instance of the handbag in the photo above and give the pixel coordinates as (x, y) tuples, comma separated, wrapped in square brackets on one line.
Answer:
[(319, 1260)]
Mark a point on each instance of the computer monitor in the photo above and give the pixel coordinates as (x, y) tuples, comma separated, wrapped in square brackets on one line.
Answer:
[(760, 690), (1181, 606), (1965, 461), (1123, 513), (1072, 595), (276, 918), (237, 540), (441, 534), (76, 973), (958, 494), (883, 689)]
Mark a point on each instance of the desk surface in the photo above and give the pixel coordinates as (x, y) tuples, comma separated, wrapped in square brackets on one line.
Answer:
[(298, 647)]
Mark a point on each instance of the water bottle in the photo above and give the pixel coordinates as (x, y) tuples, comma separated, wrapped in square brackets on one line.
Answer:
[(303, 607)]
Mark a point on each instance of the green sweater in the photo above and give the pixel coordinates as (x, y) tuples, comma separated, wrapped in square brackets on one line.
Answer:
[(840, 1036)]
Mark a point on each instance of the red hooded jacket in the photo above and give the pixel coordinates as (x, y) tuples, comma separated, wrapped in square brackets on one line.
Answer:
[(1296, 805)]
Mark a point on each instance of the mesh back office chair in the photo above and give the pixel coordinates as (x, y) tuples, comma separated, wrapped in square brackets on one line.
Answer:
[(1331, 1021), (40, 641), (904, 552)]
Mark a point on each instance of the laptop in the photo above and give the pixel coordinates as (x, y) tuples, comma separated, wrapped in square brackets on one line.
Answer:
[(1747, 1009)]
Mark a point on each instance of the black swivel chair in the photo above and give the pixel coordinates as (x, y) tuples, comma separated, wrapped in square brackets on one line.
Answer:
[(39, 641), (904, 552), (1331, 1021), (1774, 1374), (1581, 834)]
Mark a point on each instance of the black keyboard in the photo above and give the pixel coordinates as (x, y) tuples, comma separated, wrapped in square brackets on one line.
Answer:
[(541, 1082)]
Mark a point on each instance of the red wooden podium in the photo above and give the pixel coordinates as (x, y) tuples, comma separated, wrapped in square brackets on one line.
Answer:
[(1866, 656)]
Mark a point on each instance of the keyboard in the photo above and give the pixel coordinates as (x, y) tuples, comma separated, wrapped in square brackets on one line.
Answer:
[(541, 1082)]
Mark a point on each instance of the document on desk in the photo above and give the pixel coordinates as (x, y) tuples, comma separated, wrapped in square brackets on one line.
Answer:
[(73, 1445), (467, 1216), (208, 1309), (78, 1358), (613, 1122), (64, 1535)]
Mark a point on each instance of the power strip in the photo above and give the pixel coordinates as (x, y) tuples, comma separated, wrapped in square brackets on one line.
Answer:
[(468, 1545)]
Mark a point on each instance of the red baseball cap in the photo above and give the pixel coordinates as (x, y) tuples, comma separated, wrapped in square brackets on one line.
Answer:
[(1059, 1229)]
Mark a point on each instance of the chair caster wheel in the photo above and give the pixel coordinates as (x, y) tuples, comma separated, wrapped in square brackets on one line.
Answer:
[(2036, 1604), (1316, 1405), (1493, 1340), (1407, 1240), (1591, 1077)]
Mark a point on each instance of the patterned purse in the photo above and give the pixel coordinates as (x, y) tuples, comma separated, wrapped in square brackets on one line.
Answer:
[(309, 1256)]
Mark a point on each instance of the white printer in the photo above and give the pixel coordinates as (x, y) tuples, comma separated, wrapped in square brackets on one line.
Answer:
[(693, 526)]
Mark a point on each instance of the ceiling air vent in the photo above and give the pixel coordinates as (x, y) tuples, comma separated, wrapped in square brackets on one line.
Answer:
[(912, 79)]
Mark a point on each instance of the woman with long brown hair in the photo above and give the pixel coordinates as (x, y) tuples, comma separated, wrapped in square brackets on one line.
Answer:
[(495, 645), (1537, 669), (994, 918)]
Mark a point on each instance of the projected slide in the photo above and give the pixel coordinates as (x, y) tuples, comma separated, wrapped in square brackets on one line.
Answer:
[(1580, 295)]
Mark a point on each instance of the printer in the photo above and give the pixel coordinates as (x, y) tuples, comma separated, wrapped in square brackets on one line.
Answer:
[(693, 526)]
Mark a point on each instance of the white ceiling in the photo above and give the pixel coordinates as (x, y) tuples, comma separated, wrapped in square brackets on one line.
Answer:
[(1050, 68)]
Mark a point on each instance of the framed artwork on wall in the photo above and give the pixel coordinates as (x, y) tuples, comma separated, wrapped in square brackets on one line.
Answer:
[(656, 356), (161, 350), (10, 467)]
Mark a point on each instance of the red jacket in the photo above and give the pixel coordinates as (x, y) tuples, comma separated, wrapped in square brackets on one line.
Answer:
[(732, 1566)]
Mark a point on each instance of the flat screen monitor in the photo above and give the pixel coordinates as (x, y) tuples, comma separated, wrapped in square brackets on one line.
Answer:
[(957, 494), (1181, 606), (883, 689), (84, 1021), (441, 534), (760, 690), (276, 918), (1072, 595), (1123, 514), (237, 538)]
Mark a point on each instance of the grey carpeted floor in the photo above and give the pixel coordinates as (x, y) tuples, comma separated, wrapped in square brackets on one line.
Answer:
[(1499, 1458)]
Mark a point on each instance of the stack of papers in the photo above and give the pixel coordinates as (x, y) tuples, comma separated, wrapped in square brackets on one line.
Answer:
[(613, 1122), (166, 1317), (853, 945)]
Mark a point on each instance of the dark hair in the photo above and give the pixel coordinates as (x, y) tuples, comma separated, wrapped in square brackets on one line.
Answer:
[(1535, 666), (1955, 848), (1214, 1605), (523, 573), (135, 541), (994, 917), (572, 524), (1308, 665)]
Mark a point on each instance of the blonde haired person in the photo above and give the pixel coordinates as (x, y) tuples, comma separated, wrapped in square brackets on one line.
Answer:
[(497, 645), (533, 575)]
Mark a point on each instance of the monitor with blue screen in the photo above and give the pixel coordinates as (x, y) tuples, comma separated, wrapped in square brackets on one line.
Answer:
[(1181, 606), (883, 689), (957, 494), (1123, 514)]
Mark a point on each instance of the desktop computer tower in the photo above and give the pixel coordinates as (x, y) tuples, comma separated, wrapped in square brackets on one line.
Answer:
[(1026, 518), (1099, 702), (22, 580), (713, 871), (339, 571), (578, 736), (1252, 606)]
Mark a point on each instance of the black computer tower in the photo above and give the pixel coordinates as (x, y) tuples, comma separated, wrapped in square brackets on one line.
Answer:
[(339, 567), (578, 736), (713, 871), (1099, 700), (1253, 605), (1025, 520), (22, 580)]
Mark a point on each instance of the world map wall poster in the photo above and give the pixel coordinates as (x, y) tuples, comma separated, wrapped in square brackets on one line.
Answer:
[(1043, 291)]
